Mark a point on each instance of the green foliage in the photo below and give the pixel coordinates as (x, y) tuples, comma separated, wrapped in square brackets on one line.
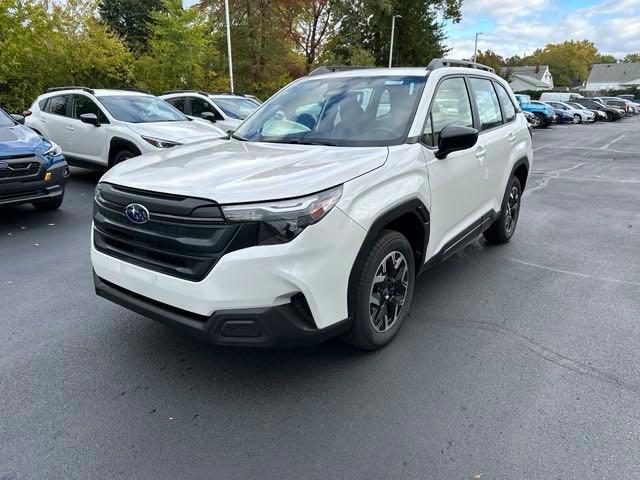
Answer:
[(632, 58), (130, 19), (180, 53), (365, 25), (493, 60), (606, 59), (569, 62)]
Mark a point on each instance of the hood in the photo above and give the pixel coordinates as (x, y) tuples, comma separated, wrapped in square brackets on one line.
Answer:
[(180, 132), (232, 171), (20, 140)]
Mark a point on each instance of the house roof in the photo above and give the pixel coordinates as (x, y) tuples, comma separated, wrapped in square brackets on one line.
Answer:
[(614, 72), (532, 71), (528, 79), (632, 83)]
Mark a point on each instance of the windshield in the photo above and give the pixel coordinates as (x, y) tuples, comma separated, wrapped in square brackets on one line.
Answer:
[(236, 107), (141, 109), (6, 120), (575, 105), (523, 99), (345, 111)]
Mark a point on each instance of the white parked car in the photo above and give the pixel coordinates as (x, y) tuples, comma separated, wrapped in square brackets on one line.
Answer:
[(579, 114), (599, 114), (226, 110), (297, 229), (97, 127)]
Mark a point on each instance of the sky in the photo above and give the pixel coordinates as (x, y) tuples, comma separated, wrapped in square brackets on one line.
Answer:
[(519, 27)]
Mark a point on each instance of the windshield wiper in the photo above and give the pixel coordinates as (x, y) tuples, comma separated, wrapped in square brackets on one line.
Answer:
[(237, 137), (304, 141)]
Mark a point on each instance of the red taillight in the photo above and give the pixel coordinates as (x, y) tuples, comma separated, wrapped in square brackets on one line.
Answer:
[(26, 113)]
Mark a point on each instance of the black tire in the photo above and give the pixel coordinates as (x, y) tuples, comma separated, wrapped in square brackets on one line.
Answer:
[(121, 156), (537, 121), (46, 205), (609, 117), (505, 225), (394, 292)]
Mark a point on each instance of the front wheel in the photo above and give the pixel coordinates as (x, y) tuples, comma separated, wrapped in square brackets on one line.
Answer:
[(537, 121), (504, 226), (381, 291), (577, 118), (121, 156)]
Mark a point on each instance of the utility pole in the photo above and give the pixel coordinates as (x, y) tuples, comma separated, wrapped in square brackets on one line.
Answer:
[(393, 31), (226, 14), (475, 48)]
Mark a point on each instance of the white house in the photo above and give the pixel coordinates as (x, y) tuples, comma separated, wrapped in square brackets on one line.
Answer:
[(613, 76), (537, 77)]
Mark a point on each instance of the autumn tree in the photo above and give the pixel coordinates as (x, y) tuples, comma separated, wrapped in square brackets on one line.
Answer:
[(632, 58), (569, 61)]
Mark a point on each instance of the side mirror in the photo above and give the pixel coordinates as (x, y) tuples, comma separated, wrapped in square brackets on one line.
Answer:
[(90, 118), (18, 118), (454, 138), (208, 116)]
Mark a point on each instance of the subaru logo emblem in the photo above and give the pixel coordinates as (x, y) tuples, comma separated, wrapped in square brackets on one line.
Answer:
[(4, 165), (137, 213)]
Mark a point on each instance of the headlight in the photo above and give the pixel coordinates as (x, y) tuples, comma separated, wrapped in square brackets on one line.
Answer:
[(156, 142), (281, 221), (54, 150)]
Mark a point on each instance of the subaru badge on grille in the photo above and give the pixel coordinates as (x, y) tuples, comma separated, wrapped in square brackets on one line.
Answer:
[(137, 213)]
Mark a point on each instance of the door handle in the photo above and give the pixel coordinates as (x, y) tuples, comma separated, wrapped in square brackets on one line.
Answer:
[(511, 137), (70, 128), (481, 152)]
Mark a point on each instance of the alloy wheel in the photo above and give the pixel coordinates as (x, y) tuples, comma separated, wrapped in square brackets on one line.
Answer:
[(388, 291), (513, 208)]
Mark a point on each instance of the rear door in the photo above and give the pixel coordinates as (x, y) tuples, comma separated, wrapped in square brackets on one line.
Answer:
[(55, 120), (87, 141), (454, 181), (496, 139)]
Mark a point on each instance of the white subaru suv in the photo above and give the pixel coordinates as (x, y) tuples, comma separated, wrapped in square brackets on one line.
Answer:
[(226, 110), (101, 128), (315, 216)]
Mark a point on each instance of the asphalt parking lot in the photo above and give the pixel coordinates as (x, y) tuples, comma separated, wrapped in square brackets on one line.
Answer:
[(519, 361)]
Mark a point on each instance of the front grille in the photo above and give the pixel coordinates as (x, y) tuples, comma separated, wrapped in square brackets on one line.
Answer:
[(22, 169), (178, 239)]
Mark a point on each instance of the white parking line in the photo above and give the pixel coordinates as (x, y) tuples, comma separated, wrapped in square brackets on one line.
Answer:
[(604, 147)]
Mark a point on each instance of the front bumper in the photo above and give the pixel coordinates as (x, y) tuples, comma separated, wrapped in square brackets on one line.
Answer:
[(260, 279), (27, 191), (284, 325)]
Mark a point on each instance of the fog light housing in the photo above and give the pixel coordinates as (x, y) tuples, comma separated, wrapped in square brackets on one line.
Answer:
[(48, 176)]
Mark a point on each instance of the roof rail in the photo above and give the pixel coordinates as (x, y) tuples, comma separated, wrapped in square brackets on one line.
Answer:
[(134, 89), (185, 91), (72, 87), (334, 68), (237, 94), (451, 62)]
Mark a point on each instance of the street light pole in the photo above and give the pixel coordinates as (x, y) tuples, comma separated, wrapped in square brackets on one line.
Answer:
[(226, 14), (393, 31), (475, 48)]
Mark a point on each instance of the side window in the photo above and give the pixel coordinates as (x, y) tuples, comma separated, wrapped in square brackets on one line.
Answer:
[(451, 106), (487, 103), (178, 103), (43, 104), (82, 104), (58, 105), (505, 101), (199, 106)]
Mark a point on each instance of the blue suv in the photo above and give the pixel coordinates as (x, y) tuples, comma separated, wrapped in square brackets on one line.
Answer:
[(32, 169), (544, 114)]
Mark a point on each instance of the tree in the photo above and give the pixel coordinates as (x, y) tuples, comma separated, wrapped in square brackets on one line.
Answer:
[(308, 24), (366, 25), (605, 58), (632, 58), (130, 19), (569, 61), (491, 59), (181, 53)]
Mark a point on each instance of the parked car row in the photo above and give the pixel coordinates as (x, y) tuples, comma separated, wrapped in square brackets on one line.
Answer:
[(561, 107), (101, 128)]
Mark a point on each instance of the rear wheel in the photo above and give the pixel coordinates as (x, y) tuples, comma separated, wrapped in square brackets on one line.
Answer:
[(380, 296), (609, 117), (504, 227)]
